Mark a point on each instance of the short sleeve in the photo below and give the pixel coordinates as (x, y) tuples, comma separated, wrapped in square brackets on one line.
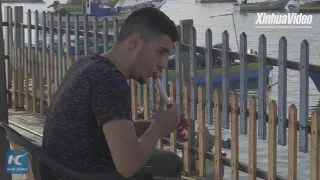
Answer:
[(111, 99)]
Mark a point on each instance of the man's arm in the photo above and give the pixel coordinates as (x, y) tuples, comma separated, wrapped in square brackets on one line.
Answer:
[(112, 108), (128, 152), (141, 126)]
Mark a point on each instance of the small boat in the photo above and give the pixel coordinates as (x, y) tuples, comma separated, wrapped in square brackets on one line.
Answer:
[(307, 7), (75, 5), (94, 9), (258, 6), (234, 71)]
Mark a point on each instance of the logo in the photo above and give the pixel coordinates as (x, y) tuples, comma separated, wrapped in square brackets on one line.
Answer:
[(289, 20), (17, 162)]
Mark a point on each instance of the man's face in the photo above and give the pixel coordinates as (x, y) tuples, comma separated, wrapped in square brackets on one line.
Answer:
[(149, 57)]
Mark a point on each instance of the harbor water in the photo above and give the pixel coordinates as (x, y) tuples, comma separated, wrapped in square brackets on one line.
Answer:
[(200, 13)]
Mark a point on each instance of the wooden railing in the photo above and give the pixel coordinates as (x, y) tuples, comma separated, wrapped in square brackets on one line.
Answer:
[(34, 72)]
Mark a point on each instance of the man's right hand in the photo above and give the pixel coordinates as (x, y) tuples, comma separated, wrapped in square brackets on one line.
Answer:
[(167, 120)]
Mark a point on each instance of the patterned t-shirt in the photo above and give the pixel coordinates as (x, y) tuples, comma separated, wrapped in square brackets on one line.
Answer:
[(92, 92)]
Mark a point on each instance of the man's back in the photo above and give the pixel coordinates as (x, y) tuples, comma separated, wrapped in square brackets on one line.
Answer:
[(72, 132)]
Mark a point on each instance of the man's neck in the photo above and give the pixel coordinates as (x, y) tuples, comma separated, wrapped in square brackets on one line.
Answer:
[(119, 60)]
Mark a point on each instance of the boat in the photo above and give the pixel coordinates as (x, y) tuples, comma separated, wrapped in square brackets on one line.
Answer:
[(94, 9), (307, 7), (77, 5), (315, 77), (261, 6), (234, 71)]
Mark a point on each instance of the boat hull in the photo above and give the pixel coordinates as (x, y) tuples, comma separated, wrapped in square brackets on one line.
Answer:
[(315, 77), (234, 73), (275, 5)]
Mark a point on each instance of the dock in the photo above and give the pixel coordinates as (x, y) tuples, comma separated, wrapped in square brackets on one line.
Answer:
[(261, 130)]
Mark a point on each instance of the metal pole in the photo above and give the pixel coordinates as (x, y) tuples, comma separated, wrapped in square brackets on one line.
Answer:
[(4, 143)]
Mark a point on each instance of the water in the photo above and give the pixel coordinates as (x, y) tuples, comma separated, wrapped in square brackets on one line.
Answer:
[(200, 13)]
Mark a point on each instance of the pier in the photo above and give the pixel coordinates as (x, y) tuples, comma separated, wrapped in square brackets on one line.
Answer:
[(259, 128)]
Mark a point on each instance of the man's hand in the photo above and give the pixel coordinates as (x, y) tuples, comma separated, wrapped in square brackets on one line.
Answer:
[(184, 122), (167, 120)]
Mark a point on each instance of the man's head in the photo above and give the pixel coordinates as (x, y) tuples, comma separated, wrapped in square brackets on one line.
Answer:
[(148, 37)]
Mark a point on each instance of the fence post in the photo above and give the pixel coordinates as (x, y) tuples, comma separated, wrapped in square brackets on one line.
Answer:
[(18, 19), (6, 46), (185, 39), (3, 106)]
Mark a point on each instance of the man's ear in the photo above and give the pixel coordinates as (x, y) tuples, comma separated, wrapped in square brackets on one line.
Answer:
[(134, 41)]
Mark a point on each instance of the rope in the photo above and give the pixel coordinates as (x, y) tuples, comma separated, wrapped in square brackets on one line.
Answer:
[(235, 32), (234, 26)]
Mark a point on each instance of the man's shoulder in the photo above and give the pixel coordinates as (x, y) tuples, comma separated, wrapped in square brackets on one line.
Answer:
[(102, 72), (98, 68)]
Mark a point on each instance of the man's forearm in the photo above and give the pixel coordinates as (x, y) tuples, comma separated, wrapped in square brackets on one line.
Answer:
[(148, 141)]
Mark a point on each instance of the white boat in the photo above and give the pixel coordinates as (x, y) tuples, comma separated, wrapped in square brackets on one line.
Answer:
[(93, 10), (258, 6), (304, 7)]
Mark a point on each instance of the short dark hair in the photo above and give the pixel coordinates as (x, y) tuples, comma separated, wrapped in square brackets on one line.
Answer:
[(150, 23)]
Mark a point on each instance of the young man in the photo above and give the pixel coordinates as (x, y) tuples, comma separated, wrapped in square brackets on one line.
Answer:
[(89, 126)]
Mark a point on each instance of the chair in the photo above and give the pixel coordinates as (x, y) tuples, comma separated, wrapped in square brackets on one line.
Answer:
[(39, 156)]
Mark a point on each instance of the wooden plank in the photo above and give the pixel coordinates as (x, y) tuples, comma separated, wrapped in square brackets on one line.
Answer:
[(187, 145), (14, 78), (134, 100), (26, 79), (252, 138), (146, 100), (292, 143), (41, 84), (20, 78), (234, 136), (48, 71), (218, 168), (272, 141), (173, 135), (55, 70), (202, 126), (64, 64), (160, 141), (315, 147), (33, 74)]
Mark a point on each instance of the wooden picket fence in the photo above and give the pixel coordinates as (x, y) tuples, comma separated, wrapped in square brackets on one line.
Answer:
[(35, 72)]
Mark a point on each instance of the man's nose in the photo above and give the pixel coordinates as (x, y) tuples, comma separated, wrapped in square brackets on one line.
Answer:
[(163, 63)]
